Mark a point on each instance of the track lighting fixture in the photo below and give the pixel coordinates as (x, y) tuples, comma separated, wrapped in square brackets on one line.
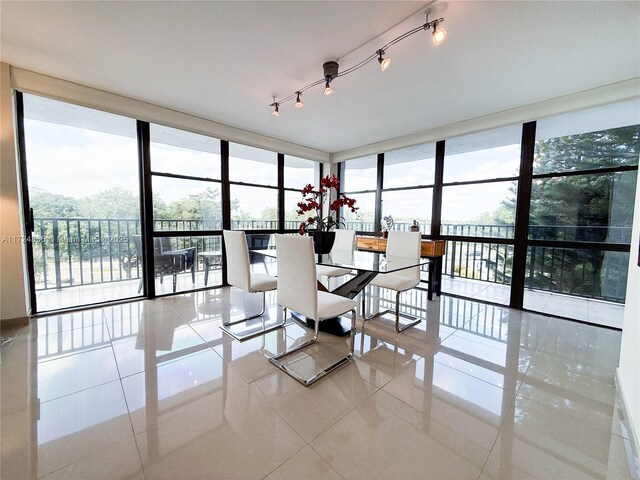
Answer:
[(384, 62), (438, 36)]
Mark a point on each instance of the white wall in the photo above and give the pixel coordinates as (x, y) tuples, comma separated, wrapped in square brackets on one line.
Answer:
[(629, 364), (13, 303)]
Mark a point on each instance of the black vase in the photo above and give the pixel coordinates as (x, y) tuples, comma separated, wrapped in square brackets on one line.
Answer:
[(323, 241)]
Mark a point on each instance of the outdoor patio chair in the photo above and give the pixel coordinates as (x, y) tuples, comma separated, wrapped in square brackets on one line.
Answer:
[(170, 263)]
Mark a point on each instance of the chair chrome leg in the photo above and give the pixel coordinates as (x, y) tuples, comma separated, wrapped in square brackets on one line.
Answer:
[(310, 381), (225, 327), (399, 328), (402, 328)]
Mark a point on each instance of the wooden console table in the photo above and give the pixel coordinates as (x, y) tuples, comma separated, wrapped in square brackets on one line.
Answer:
[(431, 249)]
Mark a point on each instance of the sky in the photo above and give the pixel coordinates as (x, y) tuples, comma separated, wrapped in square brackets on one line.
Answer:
[(80, 162)]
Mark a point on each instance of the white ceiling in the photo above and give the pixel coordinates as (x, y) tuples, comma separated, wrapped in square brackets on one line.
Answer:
[(224, 60)]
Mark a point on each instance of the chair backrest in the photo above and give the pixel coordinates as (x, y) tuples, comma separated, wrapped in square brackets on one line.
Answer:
[(297, 284), (345, 239), (237, 257), (137, 241), (405, 244), (163, 245)]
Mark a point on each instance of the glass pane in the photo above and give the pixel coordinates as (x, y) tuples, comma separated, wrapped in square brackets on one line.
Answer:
[(483, 156), (410, 166), (601, 149), (581, 273), (588, 208), (180, 204), (253, 208), (604, 117), (187, 263), (252, 165), (360, 174), (83, 187), (299, 172), (363, 220), (405, 206), (292, 219), (490, 262), (184, 153), (480, 210)]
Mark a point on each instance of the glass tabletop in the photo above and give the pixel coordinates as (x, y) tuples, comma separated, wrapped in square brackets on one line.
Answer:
[(358, 260)]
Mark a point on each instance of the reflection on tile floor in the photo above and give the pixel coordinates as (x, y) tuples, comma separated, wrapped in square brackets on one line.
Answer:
[(153, 389), (589, 310)]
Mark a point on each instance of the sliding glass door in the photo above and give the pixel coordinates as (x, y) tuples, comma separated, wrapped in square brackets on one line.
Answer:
[(81, 180)]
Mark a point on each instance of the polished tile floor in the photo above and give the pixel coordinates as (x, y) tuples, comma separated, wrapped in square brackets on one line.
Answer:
[(585, 309), (589, 310), (154, 390)]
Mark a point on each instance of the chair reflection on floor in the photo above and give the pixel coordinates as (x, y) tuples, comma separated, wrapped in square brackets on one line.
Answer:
[(298, 291)]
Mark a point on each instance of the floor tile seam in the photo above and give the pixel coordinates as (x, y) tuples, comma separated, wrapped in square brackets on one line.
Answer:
[(592, 378), (547, 407), (101, 324), (451, 448), (201, 337), (474, 341), (442, 424), (90, 454), (58, 356), (350, 410), (511, 409), (80, 391), (519, 374), (325, 461), (126, 403), (289, 458)]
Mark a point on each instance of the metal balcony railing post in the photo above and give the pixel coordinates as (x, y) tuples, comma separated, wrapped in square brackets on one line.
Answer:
[(56, 254)]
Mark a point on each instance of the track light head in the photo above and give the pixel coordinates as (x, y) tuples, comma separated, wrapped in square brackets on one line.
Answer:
[(276, 110), (384, 62), (439, 35), (298, 103), (327, 88)]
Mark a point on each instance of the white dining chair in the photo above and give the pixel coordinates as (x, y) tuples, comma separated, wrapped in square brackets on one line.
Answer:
[(399, 244), (298, 291), (345, 241), (239, 275)]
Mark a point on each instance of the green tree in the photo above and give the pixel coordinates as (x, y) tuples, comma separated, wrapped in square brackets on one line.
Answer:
[(596, 208), (115, 203), (52, 205)]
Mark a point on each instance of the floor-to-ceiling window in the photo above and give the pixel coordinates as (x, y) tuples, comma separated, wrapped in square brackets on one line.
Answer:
[(253, 178), (407, 186), (187, 209), (480, 181), (582, 201), (82, 179), (359, 181), (298, 173)]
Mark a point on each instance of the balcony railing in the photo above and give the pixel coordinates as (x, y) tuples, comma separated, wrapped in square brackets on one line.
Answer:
[(84, 251)]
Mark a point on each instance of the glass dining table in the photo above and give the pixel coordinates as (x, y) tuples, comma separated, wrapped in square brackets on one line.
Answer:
[(365, 266)]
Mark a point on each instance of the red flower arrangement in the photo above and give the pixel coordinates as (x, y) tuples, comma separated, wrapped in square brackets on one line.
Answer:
[(313, 200)]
